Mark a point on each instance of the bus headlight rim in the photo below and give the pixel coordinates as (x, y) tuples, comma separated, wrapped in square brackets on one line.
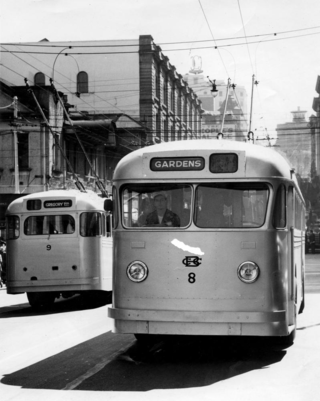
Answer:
[(137, 271), (248, 272)]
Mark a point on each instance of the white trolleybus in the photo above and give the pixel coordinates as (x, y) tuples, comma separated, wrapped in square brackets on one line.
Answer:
[(59, 243), (208, 240)]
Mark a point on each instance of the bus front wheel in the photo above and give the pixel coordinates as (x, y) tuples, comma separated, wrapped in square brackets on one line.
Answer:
[(40, 300)]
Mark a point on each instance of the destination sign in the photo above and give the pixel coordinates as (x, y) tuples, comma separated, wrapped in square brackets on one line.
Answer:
[(57, 203), (223, 163), (177, 163)]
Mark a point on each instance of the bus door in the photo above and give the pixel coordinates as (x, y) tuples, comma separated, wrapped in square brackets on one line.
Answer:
[(292, 265)]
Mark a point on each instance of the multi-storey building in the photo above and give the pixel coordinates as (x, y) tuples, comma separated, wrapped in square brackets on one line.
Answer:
[(294, 140), (118, 95), (315, 126)]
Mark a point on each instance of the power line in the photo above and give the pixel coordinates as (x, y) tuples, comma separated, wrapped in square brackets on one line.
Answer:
[(245, 34), (169, 50), (47, 44)]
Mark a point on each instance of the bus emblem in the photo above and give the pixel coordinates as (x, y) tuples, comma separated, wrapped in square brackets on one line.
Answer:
[(192, 261)]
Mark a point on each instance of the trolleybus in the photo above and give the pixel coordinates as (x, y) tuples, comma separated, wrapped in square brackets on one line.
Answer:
[(59, 243), (208, 240)]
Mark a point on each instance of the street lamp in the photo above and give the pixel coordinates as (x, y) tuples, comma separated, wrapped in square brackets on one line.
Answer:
[(214, 89), (69, 47)]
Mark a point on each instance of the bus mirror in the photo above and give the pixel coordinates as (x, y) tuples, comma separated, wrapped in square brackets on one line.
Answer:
[(108, 205)]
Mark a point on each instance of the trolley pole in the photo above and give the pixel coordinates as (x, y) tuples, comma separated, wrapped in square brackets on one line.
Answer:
[(250, 133), (220, 135), (15, 146)]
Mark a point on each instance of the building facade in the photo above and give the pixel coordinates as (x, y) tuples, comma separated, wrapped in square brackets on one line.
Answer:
[(116, 96), (315, 126), (294, 140)]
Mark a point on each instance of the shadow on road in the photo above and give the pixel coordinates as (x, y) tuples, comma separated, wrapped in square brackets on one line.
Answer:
[(75, 303), (182, 362)]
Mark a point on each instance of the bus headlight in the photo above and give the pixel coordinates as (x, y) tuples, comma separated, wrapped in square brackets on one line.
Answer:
[(248, 272), (137, 271)]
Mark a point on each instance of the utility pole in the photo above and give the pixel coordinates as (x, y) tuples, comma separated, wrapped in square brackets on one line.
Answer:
[(15, 146)]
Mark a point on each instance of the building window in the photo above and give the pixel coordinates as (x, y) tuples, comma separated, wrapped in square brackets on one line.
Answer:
[(157, 83), (165, 91), (179, 104), (82, 82), (158, 125), (171, 86), (40, 79), (172, 133), (195, 125), (166, 131), (23, 151), (190, 122), (220, 93)]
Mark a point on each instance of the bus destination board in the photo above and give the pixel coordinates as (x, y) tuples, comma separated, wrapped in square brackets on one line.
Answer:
[(177, 163), (49, 204), (223, 163)]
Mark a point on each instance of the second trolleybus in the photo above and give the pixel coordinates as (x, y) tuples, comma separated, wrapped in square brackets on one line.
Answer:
[(208, 240), (59, 243)]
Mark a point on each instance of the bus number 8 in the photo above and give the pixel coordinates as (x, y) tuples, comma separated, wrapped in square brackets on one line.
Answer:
[(192, 278)]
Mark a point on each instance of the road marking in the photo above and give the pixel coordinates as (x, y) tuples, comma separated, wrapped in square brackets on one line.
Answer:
[(99, 366)]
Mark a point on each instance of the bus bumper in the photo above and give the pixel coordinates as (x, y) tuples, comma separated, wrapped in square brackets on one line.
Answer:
[(56, 285), (199, 323)]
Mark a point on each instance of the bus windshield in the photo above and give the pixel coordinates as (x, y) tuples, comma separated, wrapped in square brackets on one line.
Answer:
[(227, 205), (51, 224), (156, 205), (237, 205)]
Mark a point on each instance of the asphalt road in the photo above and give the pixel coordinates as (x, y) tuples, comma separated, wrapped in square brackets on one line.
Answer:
[(313, 274), (70, 353)]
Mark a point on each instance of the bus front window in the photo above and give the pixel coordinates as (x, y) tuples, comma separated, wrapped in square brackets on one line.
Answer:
[(49, 224), (161, 206), (237, 205)]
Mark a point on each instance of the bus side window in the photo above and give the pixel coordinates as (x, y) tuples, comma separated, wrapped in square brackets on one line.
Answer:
[(108, 225), (68, 224), (90, 224), (279, 214)]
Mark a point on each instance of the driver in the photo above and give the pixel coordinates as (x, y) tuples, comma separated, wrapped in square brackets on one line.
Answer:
[(161, 216)]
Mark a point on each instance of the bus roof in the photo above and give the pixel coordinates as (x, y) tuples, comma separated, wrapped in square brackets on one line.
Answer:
[(79, 201), (254, 161)]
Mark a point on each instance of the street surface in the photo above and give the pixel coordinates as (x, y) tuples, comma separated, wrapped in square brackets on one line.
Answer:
[(69, 353)]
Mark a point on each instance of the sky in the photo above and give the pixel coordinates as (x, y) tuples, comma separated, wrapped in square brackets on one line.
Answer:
[(274, 41)]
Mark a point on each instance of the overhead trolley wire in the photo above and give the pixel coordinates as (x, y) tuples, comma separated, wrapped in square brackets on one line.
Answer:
[(245, 35), (170, 50), (48, 44)]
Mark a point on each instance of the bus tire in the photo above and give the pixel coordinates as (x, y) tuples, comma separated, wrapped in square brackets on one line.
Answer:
[(287, 341), (146, 339), (41, 300), (302, 305)]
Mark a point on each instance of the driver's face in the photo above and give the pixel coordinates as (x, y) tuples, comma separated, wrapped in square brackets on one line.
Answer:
[(160, 202)]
